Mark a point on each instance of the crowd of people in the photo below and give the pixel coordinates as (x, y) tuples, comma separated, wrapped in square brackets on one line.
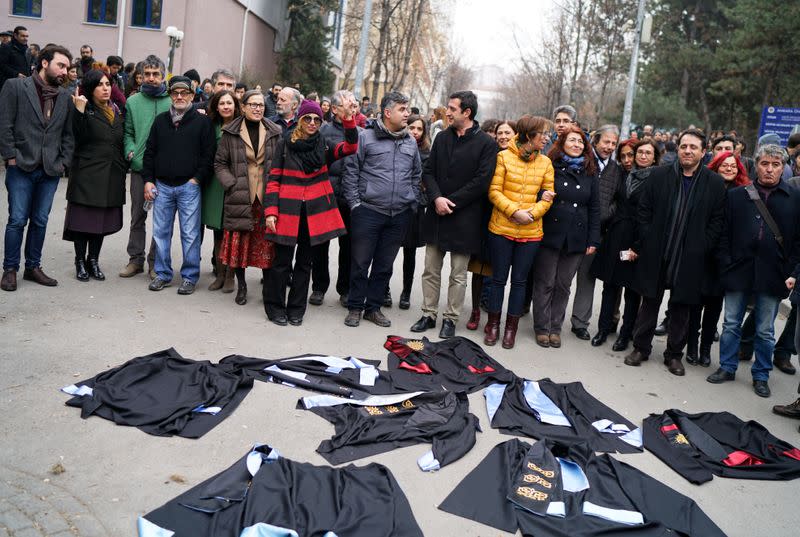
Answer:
[(537, 201)]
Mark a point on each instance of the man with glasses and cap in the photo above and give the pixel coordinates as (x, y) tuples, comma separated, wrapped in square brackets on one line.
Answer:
[(178, 159)]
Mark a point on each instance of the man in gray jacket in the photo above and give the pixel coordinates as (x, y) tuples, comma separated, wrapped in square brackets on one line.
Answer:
[(381, 184), (36, 143)]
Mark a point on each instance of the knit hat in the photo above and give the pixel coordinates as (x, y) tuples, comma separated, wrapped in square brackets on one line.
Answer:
[(770, 138), (179, 82), (309, 107), (7, 33), (192, 74)]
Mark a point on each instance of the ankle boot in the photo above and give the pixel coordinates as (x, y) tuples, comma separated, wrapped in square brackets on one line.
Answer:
[(219, 281), (492, 329), (227, 286), (94, 270), (80, 270), (241, 294), (510, 333), (474, 319)]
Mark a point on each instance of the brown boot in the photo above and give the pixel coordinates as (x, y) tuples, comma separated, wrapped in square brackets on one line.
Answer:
[(228, 286), (474, 319), (510, 333), (492, 329), (9, 282), (219, 281)]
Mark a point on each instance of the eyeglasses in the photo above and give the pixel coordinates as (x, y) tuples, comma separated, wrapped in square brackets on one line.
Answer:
[(182, 94), (256, 106), (312, 119)]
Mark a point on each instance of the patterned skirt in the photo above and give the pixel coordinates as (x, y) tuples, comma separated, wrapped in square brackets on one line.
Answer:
[(242, 249)]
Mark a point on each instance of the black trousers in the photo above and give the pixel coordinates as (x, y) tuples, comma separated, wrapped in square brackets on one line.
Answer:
[(647, 319), (610, 305), (277, 278), (704, 329), (320, 260), (83, 241), (784, 346)]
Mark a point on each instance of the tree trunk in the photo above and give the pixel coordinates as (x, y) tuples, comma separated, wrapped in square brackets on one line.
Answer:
[(379, 54)]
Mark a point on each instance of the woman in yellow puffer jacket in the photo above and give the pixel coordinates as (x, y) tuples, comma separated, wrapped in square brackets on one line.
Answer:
[(522, 192)]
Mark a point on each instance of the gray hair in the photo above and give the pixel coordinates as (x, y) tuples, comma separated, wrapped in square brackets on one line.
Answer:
[(391, 99), (222, 72), (154, 62), (297, 97), (605, 129), (771, 150), (248, 94), (565, 109), (340, 96)]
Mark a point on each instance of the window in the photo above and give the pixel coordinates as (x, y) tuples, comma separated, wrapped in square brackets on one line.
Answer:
[(102, 11), (146, 13), (27, 8)]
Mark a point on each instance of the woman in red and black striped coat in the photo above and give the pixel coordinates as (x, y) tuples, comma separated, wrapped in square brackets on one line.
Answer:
[(301, 209)]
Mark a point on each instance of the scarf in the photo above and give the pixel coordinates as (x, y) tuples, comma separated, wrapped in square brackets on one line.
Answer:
[(679, 218), (154, 91), (177, 116), (49, 94), (635, 180), (402, 133), (108, 110), (573, 163), (310, 152), (526, 155)]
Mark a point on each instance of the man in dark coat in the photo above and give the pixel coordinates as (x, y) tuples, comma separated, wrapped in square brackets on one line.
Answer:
[(36, 143), (456, 178), (681, 216), (14, 57), (757, 265)]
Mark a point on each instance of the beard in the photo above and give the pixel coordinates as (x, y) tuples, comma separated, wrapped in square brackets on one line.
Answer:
[(53, 79)]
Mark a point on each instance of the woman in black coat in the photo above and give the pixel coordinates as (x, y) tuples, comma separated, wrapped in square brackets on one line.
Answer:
[(96, 189), (571, 231), (608, 265)]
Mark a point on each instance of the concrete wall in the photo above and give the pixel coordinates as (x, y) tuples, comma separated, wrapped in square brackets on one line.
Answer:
[(212, 29)]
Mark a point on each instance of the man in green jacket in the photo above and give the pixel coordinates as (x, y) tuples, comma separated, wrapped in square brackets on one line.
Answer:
[(140, 111)]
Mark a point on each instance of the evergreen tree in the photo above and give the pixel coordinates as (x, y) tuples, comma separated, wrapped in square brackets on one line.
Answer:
[(305, 58)]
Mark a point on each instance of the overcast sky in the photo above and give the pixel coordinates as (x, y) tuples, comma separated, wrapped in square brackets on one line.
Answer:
[(484, 28)]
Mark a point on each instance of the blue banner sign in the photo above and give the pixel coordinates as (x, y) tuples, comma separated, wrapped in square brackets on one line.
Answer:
[(781, 121)]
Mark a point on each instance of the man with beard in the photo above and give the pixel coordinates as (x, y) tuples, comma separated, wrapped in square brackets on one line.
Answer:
[(681, 217), (36, 142), (140, 111), (285, 117), (86, 60), (14, 60)]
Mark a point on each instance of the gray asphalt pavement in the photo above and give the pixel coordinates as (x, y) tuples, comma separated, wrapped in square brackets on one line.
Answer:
[(52, 337)]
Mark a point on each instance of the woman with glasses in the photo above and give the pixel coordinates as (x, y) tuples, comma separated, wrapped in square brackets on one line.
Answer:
[(301, 209), (704, 317), (612, 264), (244, 157)]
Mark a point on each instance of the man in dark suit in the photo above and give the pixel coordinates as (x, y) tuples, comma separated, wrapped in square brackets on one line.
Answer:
[(35, 142), (14, 59)]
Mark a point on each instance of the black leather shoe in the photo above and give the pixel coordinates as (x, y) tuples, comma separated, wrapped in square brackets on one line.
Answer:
[(636, 358), (675, 366), (448, 329), (378, 318), (353, 318), (241, 295), (600, 338), (719, 376), (791, 410), (785, 365), (80, 271), (704, 360), (405, 301), (94, 270), (424, 323), (582, 333), (279, 319), (661, 330), (295, 321), (387, 300), (692, 355), (621, 344), (761, 388), (316, 298), (343, 300)]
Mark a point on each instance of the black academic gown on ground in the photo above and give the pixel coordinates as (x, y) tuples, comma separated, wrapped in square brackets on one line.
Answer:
[(590, 421), (162, 394), (362, 430), (547, 489), (264, 488), (700, 446)]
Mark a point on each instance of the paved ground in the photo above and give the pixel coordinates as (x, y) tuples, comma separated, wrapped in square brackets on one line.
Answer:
[(54, 337)]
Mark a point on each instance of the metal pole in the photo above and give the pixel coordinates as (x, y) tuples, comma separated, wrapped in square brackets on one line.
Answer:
[(625, 129), (121, 18), (171, 54), (244, 39), (362, 49)]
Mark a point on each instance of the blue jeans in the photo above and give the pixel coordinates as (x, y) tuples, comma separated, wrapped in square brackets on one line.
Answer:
[(506, 254), (184, 199), (375, 239), (765, 309), (30, 197)]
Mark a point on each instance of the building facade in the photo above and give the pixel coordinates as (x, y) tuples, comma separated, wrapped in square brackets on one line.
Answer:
[(241, 35)]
